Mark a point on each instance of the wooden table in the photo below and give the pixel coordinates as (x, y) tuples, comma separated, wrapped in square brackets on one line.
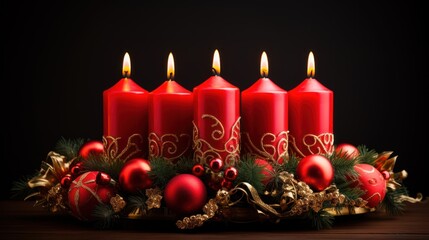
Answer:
[(21, 220)]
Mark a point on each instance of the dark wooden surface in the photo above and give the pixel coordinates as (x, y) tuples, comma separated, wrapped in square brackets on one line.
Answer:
[(21, 220)]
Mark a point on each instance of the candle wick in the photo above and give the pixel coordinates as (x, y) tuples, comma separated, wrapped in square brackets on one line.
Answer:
[(171, 77), (214, 71), (126, 75), (264, 74)]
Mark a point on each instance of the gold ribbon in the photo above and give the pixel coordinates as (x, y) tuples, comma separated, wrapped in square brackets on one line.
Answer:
[(51, 172)]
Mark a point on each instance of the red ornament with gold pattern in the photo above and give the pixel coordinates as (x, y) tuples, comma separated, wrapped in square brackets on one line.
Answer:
[(265, 118), (216, 122), (372, 182), (85, 194), (311, 107)]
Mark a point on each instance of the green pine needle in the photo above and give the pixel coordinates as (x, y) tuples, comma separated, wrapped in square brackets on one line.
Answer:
[(136, 201), (69, 148), (289, 165), (250, 172), (161, 172), (321, 220), (112, 168), (390, 203), (184, 165), (343, 168), (20, 188), (104, 216), (366, 155)]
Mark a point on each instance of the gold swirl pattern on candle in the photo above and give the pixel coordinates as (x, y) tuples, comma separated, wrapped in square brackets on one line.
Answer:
[(203, 149), (314, 144), (267, 149), (167, 145), (113, 153)]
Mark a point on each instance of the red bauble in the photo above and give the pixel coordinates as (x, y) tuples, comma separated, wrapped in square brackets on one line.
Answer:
[(347, 151), (66, 181), (93, 147), (216, 165), (134, 175), (231, 173), (198, 170), (372, 182), (185, 194), (85, 194), (267, 171), (315, 170)]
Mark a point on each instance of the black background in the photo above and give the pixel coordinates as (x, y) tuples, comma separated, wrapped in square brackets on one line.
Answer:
[(57, 59)]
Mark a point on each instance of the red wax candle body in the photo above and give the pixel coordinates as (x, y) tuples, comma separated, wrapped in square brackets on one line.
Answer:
[(265, 120), (125, 107), (216, 121), (170, 121), (311, 118)]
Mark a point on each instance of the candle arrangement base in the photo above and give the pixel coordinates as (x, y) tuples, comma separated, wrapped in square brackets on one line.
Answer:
[(190, 194)]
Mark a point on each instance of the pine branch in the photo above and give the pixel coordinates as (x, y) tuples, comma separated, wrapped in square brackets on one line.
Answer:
[(69, 148), (104, 216), (250, 172), (94, 163), (390, 203), (321, 220), (184, 165), (366, 155), (20, 188), (161, 172)]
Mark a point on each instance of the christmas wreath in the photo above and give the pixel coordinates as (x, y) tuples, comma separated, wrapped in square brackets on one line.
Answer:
[(95, 182)]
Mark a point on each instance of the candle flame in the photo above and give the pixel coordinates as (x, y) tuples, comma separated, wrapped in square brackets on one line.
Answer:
[(170, 67), (126, 66), (216, 63), (264, 65), (311, 66)]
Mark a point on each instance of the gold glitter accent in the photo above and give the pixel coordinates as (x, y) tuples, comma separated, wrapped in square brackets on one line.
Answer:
[(117, 203), (111, 146), (154, 198), (51, 194), (313, 144), (203, 149), (166, 146), (266, 149)]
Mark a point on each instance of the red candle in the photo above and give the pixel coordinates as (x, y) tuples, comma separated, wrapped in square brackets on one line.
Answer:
[(170, 119), (311, 116), (265, 118), (216, 122), (125, 110)]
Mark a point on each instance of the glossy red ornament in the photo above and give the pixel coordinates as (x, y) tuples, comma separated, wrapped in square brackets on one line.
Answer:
[(134, 175), (103, 178), (198, 170), (230, 173), (385, 174), (316, 171), (216, 165), (75, 170), (185, 194), (347, 151), (85, 194), (66, 181), (267, 170), (372, 182), (93, 147), (226, 184)]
